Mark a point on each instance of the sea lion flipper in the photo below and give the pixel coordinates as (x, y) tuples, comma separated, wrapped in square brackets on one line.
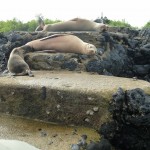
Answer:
[(30, 73), (12, 74), (40, 22), (39, 28), (52, 36), (47, 51)]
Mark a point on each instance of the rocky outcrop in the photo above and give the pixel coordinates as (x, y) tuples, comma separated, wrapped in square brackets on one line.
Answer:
[(81, 99), (63, 97), (121, 52), (130, 125)]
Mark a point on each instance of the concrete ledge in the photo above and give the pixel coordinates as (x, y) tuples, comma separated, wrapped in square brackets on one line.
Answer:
[(63, 97)]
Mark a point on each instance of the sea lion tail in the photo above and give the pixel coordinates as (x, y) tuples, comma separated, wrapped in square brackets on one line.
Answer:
[(40, 22), (29, 73)]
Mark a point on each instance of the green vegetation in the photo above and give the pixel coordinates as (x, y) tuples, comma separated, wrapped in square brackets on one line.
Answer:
[(118, 23), (48, 21), (147, 25), (17, 25)]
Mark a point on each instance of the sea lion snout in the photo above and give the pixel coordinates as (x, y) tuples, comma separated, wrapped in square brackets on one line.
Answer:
[(91, 49), (104, 27)]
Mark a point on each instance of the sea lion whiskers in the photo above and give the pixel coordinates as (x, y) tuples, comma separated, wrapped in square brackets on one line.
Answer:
[(90, 49), (103, 27)]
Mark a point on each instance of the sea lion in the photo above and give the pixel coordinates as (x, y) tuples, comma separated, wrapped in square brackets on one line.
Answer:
[(62, 43), (16, 64), (76, 24)]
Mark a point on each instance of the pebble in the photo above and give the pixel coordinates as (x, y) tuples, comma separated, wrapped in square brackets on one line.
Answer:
[(50, 143), (58, 106), (75, 147), (90, 98), (42, 133), (95, 109), (55, 135), (135, 78), (87, 120), (90, 112)]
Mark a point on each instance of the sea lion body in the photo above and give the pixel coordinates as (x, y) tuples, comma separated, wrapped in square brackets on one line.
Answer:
[(16, 64), (63, 43), (76, 24)]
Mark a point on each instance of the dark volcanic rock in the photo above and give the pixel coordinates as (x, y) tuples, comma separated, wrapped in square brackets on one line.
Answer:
[(122, 52), (141, 70), (102, 145), (3, 39), (130, 127), (70, 64), (95, 66), (8, 42)]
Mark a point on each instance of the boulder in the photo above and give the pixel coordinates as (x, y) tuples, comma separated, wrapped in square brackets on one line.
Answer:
[(63, 97), (129, 128)]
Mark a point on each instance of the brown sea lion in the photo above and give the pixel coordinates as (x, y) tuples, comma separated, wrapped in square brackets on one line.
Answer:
[(76, 24), (63, 43), (16, 64)]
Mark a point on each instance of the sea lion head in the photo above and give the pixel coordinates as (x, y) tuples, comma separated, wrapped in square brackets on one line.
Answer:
[(90, 49), (102, 27)]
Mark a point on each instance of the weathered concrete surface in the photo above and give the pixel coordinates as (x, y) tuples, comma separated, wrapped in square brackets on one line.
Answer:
[(56, 137), (64, 97)]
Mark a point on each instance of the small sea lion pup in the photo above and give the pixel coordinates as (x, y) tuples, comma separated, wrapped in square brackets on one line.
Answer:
[(62, 43), (16, 64), (76, 24)]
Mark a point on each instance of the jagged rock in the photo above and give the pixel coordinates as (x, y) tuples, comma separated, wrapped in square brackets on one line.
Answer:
[(141, 70), (102, 145), (120, 51), (145, 49), (3, 39), (130, 125)]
